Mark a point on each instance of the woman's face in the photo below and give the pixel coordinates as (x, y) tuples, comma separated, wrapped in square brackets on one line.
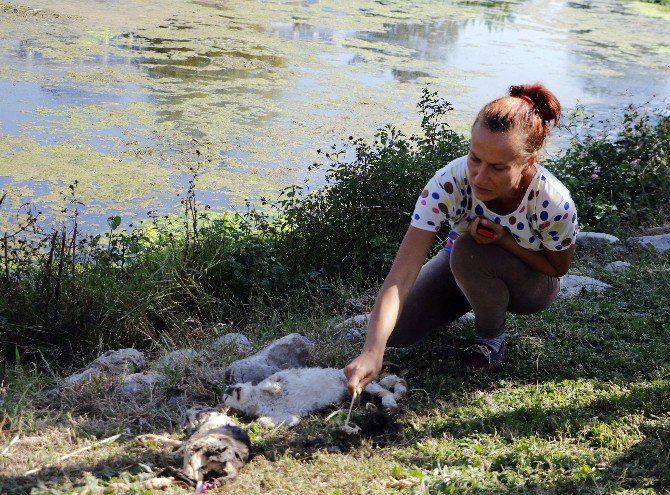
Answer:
[(497, 164)]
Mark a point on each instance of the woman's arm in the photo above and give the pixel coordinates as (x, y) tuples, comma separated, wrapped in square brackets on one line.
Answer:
[(552, 263), (408, 262)]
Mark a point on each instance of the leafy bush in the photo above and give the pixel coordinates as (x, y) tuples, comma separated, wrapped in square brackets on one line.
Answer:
[(355, 222), (71, 293), (618, 171)]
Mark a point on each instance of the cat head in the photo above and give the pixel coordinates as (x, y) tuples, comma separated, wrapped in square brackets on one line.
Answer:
[(239, 396)]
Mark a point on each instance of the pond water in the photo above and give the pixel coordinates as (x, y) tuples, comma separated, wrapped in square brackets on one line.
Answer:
[(124, 96)]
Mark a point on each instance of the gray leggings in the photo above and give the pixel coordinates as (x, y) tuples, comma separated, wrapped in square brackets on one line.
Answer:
[(484, 278)]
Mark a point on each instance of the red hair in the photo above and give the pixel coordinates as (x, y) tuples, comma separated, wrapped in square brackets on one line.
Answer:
[(529, 108)]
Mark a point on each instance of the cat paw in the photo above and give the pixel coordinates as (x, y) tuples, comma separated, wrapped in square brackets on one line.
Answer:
[(389, 402)]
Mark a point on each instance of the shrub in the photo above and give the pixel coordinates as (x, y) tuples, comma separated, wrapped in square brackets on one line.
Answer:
[(354, 223), (618, 171), (72, 294)]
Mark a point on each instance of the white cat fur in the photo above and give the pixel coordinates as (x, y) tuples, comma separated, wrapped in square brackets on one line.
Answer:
[(286, 396)]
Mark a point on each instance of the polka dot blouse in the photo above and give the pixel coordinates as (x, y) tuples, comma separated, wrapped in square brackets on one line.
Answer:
[(545, 219)]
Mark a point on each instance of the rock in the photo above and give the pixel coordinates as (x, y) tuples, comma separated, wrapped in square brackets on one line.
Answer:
[(291, 351), (359, 322), (352, 329), (575, 285), (179, 359), (83, 376), (660, 243), (350, 335), (141, 382), (235, 341), (111, 362), (120, 361), (617, 266), (467, 319), (594, 239), (663, 229)]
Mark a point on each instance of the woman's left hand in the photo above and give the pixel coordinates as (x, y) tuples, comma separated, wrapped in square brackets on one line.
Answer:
[(498, 232)]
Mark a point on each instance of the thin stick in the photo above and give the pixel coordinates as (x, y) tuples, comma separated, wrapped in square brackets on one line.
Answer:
[(72, 454), (351, 406), (6, 259), (6, 449), (158, 438)]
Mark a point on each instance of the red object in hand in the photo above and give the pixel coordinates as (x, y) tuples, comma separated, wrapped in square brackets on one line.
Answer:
[(486, 232)]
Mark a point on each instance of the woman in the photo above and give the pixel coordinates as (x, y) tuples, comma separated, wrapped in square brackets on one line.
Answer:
[(513, 229)]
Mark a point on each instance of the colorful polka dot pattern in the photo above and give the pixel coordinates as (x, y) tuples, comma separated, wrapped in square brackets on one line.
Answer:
[(546, 219)]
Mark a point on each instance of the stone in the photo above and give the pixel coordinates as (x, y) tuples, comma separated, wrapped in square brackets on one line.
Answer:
[(575, 285), (83, 376), (359, 322), (350, 335), (234, 341), (291, 351), (111, 362), (617, 266), (467, 319), (662, 229), (120, 361), (179, 359), (352, 329), (660, 243), (138, 383), (594, 239)]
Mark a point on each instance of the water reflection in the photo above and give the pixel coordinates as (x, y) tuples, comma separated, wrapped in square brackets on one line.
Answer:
[(28, 52), (427, 41), (300, 31), (576, 5), (179, 60), (493, 14)]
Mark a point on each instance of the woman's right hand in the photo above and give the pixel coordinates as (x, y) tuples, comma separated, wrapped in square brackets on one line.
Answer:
[(363, 370), (411, 255)]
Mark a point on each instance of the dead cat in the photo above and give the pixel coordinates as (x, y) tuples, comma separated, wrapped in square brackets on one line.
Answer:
[(286, 396)]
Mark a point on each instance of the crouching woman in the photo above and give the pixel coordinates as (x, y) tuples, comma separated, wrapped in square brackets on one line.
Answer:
[(513, 227)]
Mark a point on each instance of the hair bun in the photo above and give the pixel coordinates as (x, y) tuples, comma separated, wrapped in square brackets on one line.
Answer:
[(545, 102)]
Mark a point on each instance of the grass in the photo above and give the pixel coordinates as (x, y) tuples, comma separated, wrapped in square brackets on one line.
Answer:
[(582, 406)]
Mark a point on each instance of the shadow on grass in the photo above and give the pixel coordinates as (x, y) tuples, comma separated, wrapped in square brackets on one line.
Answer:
[(126, 459)]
